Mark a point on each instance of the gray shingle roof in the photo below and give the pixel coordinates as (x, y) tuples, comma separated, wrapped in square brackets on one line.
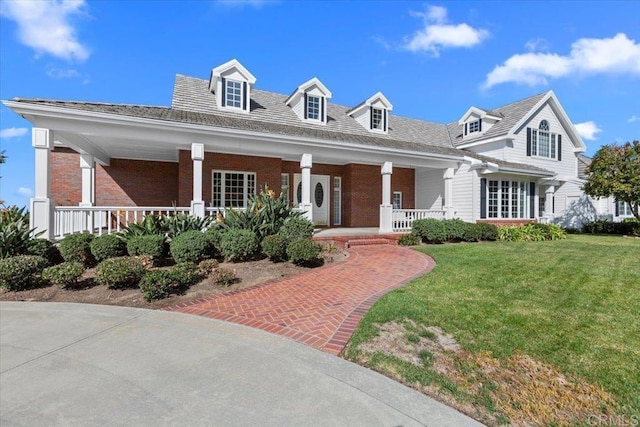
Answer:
[(509, 165), (511, 113)]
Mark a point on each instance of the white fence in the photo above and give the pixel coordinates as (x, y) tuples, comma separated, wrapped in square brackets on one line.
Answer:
[(403, 218)]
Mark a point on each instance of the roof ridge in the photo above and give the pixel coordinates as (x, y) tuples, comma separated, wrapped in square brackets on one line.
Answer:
[(88, 102)]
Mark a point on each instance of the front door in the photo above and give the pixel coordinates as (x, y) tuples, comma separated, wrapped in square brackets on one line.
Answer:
[(319, 196)]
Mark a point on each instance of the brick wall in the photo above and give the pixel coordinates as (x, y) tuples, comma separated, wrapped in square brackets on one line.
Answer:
[(508, 222)]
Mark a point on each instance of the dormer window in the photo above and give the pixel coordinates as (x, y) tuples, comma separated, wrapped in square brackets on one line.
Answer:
[(313, 107), (373, 114), (233, 96), (474, 126), (477, 121), (309, 101), (377, 115), (231, 84)]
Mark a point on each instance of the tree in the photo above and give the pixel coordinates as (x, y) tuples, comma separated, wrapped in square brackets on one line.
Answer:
[(615, 171)]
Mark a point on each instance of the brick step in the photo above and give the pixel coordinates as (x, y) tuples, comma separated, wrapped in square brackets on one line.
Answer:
[(367, 242)]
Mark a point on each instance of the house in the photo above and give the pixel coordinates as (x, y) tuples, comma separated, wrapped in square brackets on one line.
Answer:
[(100, 166)]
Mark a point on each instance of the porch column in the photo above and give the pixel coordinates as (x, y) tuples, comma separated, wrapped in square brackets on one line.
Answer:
[(448, 193), (386, 208), (305, 205), (197, 204), (87, 165), (548, 201), (41, 207)]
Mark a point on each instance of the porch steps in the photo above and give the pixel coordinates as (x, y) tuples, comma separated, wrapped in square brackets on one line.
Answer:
[(350, 241)]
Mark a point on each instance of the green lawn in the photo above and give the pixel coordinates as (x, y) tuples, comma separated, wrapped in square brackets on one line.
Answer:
[(573, 304)]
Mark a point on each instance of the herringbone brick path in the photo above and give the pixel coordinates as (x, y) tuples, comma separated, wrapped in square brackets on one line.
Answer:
[(321, 307)]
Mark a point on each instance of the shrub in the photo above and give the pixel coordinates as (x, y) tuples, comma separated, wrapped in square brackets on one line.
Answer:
[(15, 233), (190, 246), (207, 266), (275, 247), (456, 229), (430, 230), (45, 249), (108, 246), (63, 275), (304, 252), (184, 274), (214, 235), (408, 240), (122, 272), (531, 233), (488, 231), (77, 248), (155, 285), (150, 225), (224, 276), (151, 245), (175, 225), (295, 228), (472, 232), (603, 226), (238, 245), (21, 272)]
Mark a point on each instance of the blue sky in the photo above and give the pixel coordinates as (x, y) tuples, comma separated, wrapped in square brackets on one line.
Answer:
[(431, 60)]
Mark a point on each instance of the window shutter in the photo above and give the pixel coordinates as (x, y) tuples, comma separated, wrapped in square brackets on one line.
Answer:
[(465, 129), (532, 200), (224, 92), (479, 125), (305, 107), (370, 117), (559, 148), (529, 142), (483, 198), (384, 117), (322, 109), (245, 96), (617, 208)]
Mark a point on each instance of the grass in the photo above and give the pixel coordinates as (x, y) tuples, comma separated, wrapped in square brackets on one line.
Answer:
[(573, 305)]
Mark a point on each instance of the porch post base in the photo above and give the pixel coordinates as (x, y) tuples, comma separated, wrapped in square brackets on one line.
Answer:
[(197, 208), (41, 217), (307, 211), (386, 218)]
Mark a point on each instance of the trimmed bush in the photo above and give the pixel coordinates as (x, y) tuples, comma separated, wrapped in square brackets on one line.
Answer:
[(224, 277), (456, 229), (214, 235), (45, 249), (238, 245), (77, 248), (430, 230), (408, 240), (155, 285), (275, 247), (304, 252), (21, 272), (190, 246), (531, 233), (488, 231), (296, 227), (108, 246), (472, 232), (603, 226), (122, 272), (63, 275), (207, 266), (184, 275), (151, 245)]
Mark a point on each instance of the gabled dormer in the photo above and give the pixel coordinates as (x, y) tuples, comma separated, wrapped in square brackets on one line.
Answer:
[(232, 83), (373, 114), (477, 121), (309, 101)]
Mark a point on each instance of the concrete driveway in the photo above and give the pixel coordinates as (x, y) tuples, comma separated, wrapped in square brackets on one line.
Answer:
[(75, 364)]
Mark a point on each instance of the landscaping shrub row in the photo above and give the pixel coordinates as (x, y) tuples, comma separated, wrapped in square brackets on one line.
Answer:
[(531, 233), (450, 230), (629, 226)]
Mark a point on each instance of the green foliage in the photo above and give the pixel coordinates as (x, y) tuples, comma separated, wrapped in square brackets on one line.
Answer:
[(472, 233), (184, 275), (15, 233), (108, 246), (304, 252), (152, 245), (452, 230), (207, 266), (77, 248), (174, 225), (45, 249), (456, 229), (190, 246), (21, 272), (531, 233), (224, 277), (275, 247), (488, 231), (238, 244), (409, 240), (214, 235), (430, 230), (296, 227), (150, 225), (615, 171), (629, 226), (155, 285), (64, 275), (122, 272)]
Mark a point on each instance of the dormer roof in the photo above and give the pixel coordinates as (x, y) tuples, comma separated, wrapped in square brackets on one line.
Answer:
[(480, 113), (228, 68), (377, 98), (308, 86)]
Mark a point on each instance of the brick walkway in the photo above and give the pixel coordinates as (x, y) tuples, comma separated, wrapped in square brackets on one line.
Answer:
[(322, 307)]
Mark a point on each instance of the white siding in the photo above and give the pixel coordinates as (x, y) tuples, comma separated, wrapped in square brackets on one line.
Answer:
[(572, 207), (429, 188), (464, 197), (492, 149)]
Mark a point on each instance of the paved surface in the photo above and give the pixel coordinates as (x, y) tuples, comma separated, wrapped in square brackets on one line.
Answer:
[(85, 365), (321, 307)]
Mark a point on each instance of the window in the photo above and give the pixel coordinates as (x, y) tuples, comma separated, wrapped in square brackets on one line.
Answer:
[(543, 143), (376, 119), (233, 94), (507, 199), (624, 209), (284, 186), (313, 107), (397, 200), (232, 189), (337, 200), (474, 126)]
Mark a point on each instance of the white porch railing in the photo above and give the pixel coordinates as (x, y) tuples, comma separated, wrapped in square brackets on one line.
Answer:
[(403, 218), (210, 211), (103, 219)]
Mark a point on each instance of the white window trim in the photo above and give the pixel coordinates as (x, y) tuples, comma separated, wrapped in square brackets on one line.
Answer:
[(226, 94), (475, 123), (337, 204), (522, 203), (245, 184), (393, 199), (320, 119), (535, 144), (623, 207), (380, 127), (284, 186)]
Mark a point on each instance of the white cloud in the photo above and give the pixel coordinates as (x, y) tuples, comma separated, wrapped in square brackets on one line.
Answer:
[(62, 73), (633, 119), (616, 55), (588, 130), (24, 191), (13, 132), (537, 45), (45, 26), (437, 34)]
